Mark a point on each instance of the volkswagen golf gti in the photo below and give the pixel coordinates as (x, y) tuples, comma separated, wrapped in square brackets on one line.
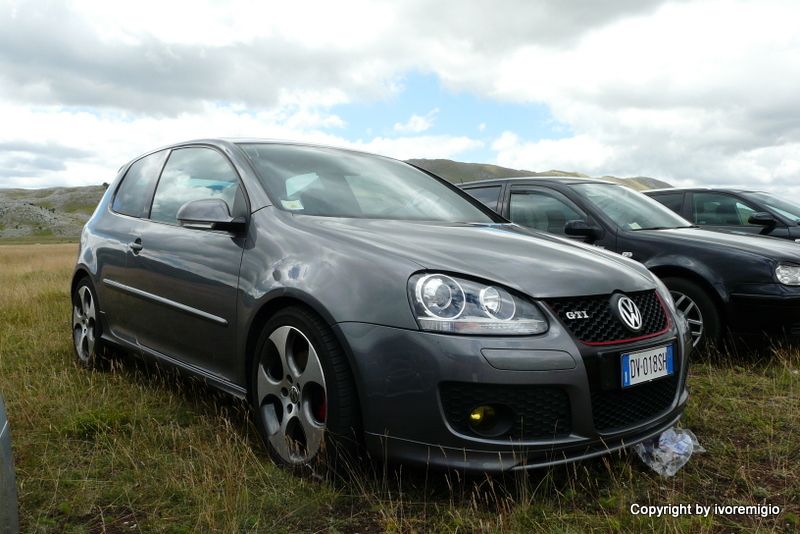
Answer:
[(363, 305)]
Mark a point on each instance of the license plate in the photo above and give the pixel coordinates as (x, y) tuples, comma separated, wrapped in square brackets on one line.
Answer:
[(638, 367)]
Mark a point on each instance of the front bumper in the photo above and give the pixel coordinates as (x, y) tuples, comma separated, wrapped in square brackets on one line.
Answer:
[(406, 380), (771, 309)]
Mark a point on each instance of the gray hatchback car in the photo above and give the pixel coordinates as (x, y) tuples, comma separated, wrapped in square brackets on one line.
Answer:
[(360, 303)]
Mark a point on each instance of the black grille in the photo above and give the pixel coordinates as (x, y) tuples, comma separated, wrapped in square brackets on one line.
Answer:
[(603, 325), (621, 408), (537, 411)]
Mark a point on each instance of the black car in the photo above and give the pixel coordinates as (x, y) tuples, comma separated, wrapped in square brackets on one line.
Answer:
[(734, 210), (356, 300), (748, 284)]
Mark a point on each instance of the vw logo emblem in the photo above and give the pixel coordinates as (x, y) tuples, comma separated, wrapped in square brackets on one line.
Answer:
[(629, 313)]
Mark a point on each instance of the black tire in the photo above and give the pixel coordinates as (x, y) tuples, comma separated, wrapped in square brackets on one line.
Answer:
[(711, 317), (90, 351), (342, 426)]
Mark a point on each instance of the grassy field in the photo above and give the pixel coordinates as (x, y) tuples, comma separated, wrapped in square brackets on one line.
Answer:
[(137, 449)]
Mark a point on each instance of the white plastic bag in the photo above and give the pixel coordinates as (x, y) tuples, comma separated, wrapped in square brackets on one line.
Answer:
[(669, 451)]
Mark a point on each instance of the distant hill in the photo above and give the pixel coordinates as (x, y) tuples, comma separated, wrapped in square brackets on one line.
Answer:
[(61, 212), (459, 172), (58, 212)]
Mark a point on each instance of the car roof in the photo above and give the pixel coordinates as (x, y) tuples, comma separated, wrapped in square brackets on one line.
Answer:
[(543, 179), (229, 142), (702, 189)]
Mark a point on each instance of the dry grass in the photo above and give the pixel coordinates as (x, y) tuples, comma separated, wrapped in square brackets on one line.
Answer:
[(136, 449)]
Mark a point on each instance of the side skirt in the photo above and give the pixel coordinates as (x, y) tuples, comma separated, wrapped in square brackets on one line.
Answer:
[(218, 382)]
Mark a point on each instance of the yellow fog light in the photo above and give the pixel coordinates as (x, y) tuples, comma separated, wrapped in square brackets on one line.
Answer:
[(481, 414)]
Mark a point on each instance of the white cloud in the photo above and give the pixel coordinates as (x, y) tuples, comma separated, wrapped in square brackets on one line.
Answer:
[(426, 146), (79, 148), (417, 123), (571, 154), (702, 91)]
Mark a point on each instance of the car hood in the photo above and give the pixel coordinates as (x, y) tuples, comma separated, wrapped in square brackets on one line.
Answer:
[(536, 264), (768, 247)]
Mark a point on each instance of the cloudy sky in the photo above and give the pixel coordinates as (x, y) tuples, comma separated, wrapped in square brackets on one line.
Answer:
[(702, 92)]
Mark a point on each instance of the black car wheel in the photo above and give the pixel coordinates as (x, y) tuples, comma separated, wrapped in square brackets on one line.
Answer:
[(89, 348), (699, 309), (302, 392)]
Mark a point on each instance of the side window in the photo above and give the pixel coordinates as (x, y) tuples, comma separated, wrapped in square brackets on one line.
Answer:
[(717, 209), (673, 201), (488, 196), (134, 193), (542, 211), (194, 174)]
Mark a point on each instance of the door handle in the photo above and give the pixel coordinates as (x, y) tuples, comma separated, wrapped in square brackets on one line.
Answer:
[(136, 246)]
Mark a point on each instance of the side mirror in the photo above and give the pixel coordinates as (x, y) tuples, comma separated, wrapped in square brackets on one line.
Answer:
[(210, 214), (580, 228), (762, 218)]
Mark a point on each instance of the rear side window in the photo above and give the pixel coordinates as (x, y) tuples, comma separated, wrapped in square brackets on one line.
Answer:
[(719, 209), (542, 211), (136, 189), (195, 174), (486, 195), (673, 201)]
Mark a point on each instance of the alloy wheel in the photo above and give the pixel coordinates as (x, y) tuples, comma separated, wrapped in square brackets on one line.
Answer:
[(292, 396), (693, 315), (84, 316)]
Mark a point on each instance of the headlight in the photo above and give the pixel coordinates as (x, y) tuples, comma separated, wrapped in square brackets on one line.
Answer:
[(788, 274), (664, 293), (453, 305)]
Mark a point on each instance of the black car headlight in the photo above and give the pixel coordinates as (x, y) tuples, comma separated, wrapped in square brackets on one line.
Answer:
[(448, 304), (788, 274)]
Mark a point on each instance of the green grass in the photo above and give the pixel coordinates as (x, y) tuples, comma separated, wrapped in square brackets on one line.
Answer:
[(138, 449), (41, 238)]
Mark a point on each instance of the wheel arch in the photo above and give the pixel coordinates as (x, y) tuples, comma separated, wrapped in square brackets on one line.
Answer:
[(676, 271), (279, 301), (80, 273)]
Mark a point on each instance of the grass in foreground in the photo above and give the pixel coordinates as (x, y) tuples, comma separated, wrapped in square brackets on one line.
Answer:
[(136, 449)]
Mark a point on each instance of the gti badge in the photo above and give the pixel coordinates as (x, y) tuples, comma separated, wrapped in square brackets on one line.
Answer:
[(628, 312), (577, 315)]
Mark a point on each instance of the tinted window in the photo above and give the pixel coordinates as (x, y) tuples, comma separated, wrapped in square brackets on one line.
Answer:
[(543, 211), (133, 195), (340, 183), (717, 209), (629, 209), (194, 174), (673, 201), (487, 195), (787, 208)]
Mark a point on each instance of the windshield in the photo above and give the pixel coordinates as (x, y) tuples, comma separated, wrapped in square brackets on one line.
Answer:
[(339, 183), (630, 210), (788, 209)]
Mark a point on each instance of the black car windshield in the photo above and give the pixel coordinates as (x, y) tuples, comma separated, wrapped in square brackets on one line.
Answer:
[(340, 183), (630, 210), (788, 209)]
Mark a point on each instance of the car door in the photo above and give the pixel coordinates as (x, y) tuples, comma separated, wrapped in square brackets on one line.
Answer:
[(116, 232), (187, 279), (723, 212)]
